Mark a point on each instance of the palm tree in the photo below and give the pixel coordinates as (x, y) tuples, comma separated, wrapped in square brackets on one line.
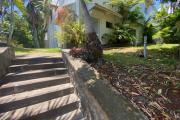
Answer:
[(32, 17), (38, 16), (124, 7), (93, 44)]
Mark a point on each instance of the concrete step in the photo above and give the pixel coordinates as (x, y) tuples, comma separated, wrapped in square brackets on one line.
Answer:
[(36, 60), (38, 88), (34, 74), (33, 84), (20, 100), (73, 115), (26, 67), (44, 110)]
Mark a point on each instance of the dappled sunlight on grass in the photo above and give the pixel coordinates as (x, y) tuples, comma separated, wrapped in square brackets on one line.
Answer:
[(36, 50), (122, 49), (161, 46), (136, 49), (158, 56)]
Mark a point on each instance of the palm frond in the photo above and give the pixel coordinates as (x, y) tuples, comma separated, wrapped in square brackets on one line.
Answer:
[(20, 5)]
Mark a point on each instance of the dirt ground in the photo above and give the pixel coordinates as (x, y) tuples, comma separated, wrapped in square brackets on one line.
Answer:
[(156, 93)]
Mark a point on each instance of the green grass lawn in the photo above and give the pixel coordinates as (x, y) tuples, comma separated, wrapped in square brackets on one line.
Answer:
[(158, 56), (36, 50)]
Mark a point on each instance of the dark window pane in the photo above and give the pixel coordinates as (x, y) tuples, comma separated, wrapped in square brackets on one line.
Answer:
[(109, 25)]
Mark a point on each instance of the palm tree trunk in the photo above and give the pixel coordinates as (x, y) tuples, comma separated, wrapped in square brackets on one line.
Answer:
[(35, 38), (93, 44)]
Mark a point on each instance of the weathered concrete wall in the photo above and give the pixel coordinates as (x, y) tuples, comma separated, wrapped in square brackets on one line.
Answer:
[(6, 56), (99, 100)]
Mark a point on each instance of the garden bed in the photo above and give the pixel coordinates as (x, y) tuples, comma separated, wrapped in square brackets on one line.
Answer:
[(152, 84)]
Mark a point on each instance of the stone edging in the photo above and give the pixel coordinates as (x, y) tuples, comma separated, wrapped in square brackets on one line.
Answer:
[(98, 100), (6, 56)]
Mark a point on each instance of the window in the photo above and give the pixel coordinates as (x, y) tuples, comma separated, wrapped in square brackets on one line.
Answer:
[(109, 25)]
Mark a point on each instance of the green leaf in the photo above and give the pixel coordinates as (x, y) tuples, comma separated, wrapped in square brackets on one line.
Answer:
[(20, 5)]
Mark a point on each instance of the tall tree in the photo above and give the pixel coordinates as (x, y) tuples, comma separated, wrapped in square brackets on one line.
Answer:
[(10, 4), (32, 17), (174, 5), (38, 16), (124, 7), (93, 43)]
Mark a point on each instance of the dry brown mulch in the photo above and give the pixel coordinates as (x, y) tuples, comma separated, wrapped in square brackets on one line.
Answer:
[(155, 92)]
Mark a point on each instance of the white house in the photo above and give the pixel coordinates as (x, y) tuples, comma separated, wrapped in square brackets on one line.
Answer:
[(103, 15)]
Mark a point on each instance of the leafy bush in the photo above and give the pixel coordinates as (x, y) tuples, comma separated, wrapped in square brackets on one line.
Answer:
[(81, 53), (122, 34), (135, 15), (167, 27), (162, 35), (21, 35), (72, 32)]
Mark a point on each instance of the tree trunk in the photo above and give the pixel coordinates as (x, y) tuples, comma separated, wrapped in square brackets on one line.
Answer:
[(35, 38), (1, 10), (179, 52), (11, 29), (93, 44)]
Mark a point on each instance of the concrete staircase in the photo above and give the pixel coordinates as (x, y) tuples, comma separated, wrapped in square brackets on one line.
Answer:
[(38, 88)]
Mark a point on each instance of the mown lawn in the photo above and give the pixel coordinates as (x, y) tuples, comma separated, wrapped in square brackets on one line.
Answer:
[(158, 56), (36, 50)]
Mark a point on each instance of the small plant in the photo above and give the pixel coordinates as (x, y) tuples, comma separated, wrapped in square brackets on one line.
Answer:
[(79, 53)]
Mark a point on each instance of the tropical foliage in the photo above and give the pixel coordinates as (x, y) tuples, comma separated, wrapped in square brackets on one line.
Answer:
[(128, 9), (38, 14), (121, 35), (166, 26), (5, 7), (132, 15), (73, 33), (21, 33)]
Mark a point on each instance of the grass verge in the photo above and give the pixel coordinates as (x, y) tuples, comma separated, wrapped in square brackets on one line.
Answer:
[(36, 50), (163, 56)]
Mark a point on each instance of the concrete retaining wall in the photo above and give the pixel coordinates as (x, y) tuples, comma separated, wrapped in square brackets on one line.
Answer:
[(6, 56), (99, 100)]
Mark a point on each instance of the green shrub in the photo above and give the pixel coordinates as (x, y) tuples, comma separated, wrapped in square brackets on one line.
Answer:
[(165, 35), (167, 27), (122, 34), (73, 33)]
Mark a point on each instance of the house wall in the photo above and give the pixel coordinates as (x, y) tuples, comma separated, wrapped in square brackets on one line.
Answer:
[(104, 17), (62, 2), (50, 40), (104, 3), (99, 15)]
